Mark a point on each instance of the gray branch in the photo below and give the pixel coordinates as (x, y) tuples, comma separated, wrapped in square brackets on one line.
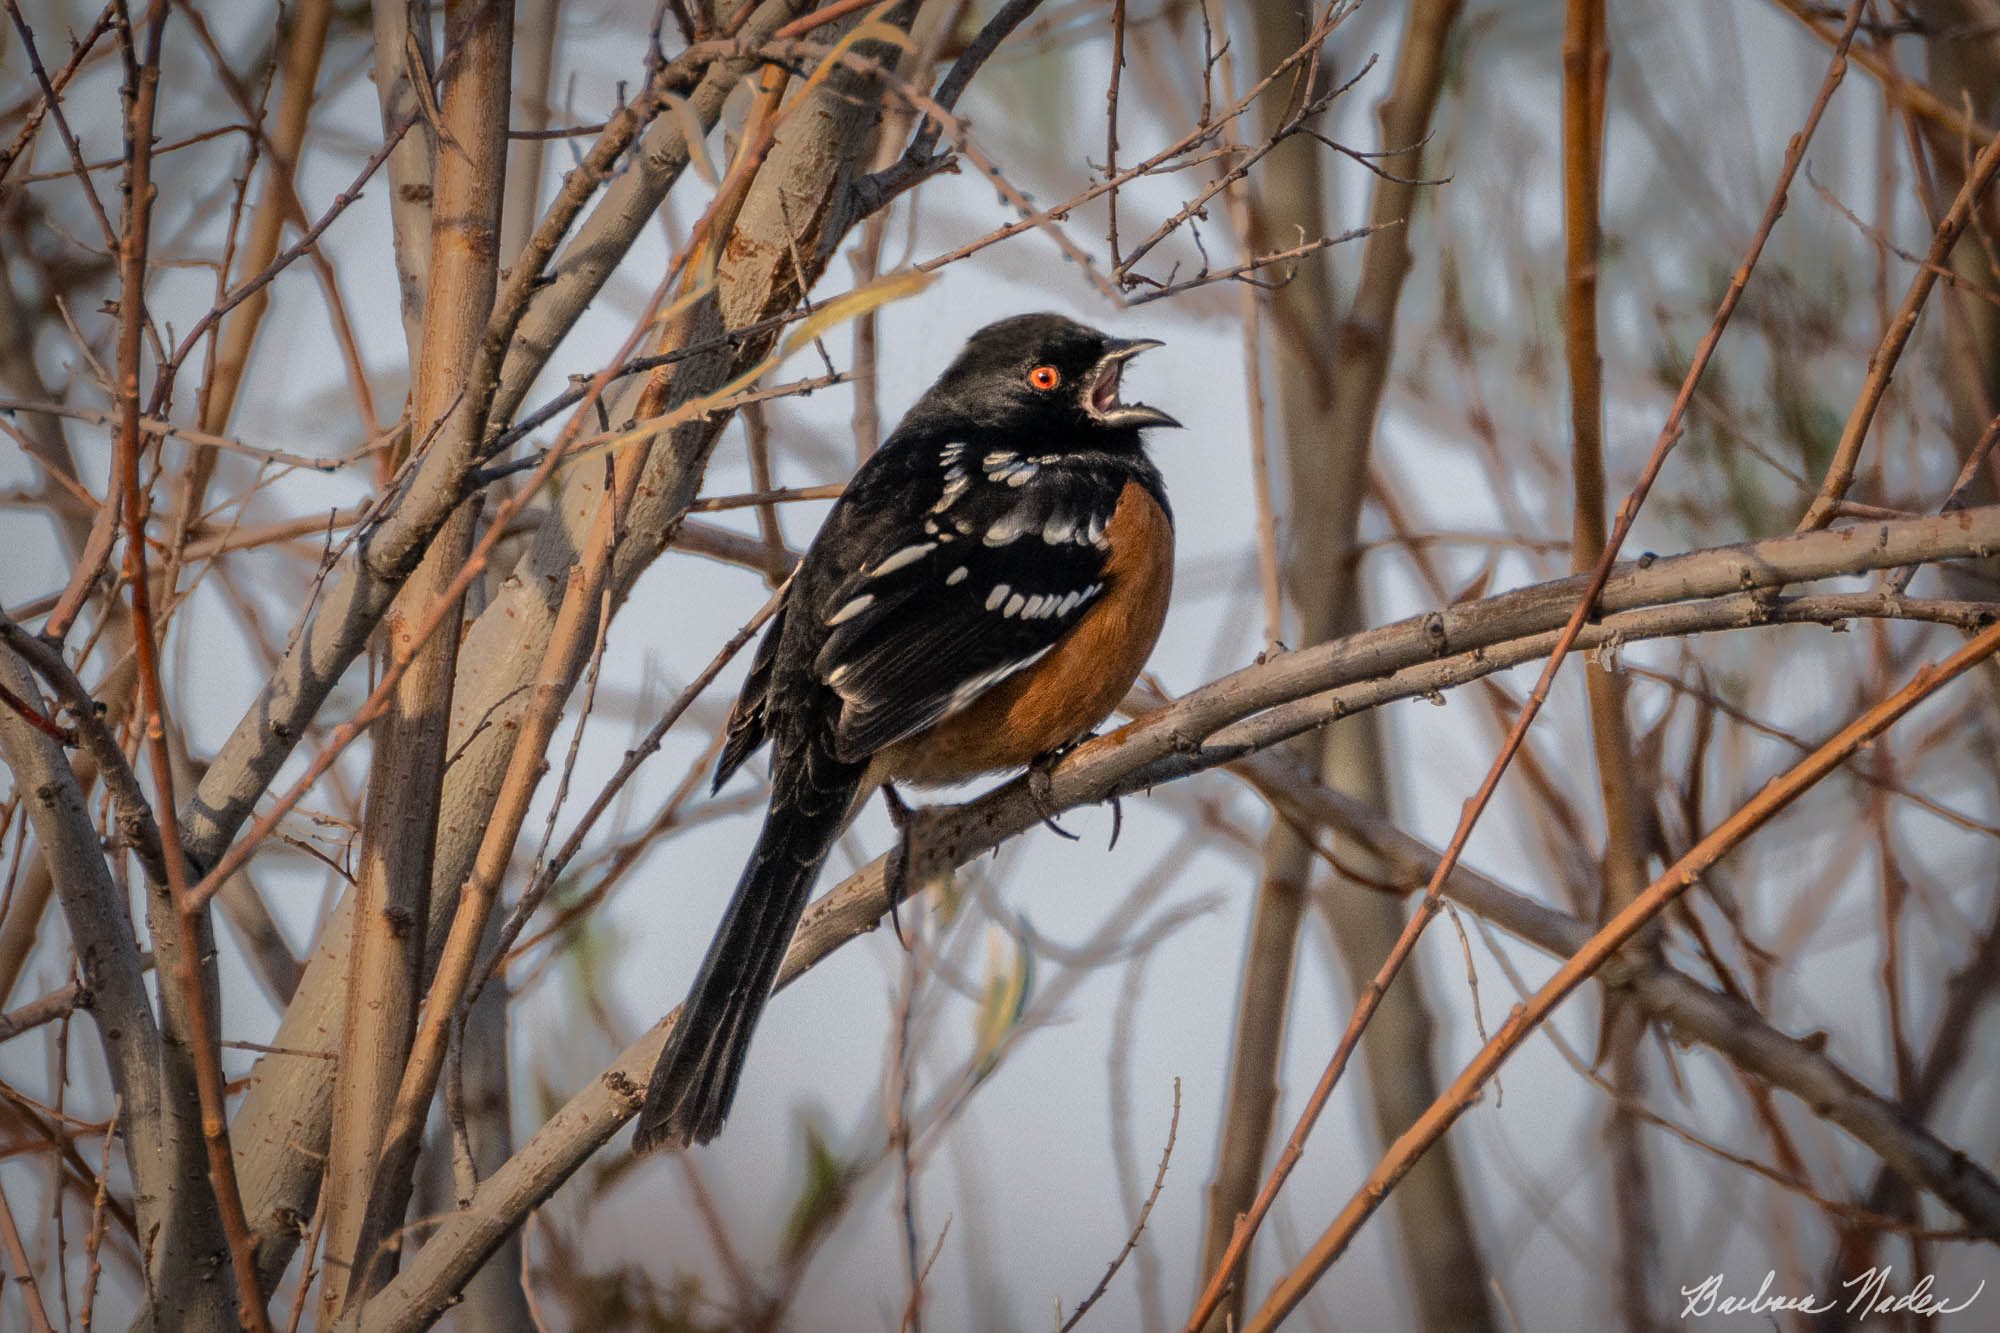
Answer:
[(338, 628), (163, 1147), (1734, 1029), (790, 223), (1685, 595)]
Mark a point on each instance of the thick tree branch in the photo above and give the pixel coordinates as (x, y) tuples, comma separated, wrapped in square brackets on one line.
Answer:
[(1234, 717), (337, 629), (1964, 1186), (159, 1151), (1332, 364), (788, 225), (386, 948)]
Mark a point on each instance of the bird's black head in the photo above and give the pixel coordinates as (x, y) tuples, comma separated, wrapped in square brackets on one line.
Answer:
[(1040, 373)]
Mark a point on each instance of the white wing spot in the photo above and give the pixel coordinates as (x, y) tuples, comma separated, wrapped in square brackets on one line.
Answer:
[(1057, 531), (1001, 465), (1010, 526), (852, 609), (1097, 530), (955, 485), (997, 596), (956, 576), (979, 684), (1013, 607), (909, 555)]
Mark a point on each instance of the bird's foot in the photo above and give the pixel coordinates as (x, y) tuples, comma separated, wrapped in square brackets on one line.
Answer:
[(896, 875), (1041, 790)]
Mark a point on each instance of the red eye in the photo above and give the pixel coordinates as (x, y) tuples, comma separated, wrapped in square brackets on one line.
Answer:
[(1044, 378)]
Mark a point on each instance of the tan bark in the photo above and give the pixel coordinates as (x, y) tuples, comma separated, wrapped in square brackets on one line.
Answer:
[(386, 948), (1330, 371)]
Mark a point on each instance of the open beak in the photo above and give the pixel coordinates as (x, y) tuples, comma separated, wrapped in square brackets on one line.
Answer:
[(1103, 403)]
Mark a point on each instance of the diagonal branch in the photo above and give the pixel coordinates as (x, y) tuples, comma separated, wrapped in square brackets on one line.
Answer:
[(1240, 715), (1581, 611), (1903, 323), (790, 221), (181, 931), (1965, 1187), (108, 954), (1724, 1022)]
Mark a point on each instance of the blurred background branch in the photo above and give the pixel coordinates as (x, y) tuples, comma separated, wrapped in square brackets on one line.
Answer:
[(352, 442)]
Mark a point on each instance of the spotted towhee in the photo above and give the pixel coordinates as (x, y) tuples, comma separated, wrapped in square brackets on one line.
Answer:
[(983, 594)]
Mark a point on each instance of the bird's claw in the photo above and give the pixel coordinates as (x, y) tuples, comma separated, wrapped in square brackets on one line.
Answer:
[(896, 874), (1041, 789)]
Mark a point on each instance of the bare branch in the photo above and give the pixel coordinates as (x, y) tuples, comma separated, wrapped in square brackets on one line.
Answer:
[(1971, 1191), (1210, 727)]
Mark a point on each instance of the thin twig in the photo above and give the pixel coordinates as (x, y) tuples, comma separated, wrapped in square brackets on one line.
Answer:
[(1158, 748), (1138, 1227), (1961, 485), (52, 102), (1597, 956), (249, 287), (1244, 270), (899, 1140), (549, 871), (312, 1266), (200, 439), (47, 1009), (93, 1241), (760, 499), (1111, 128), (1882, 363), (80, 51), (188, 963), (35, 718), (24, 1270)]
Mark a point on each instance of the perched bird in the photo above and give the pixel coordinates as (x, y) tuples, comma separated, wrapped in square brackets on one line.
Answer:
[(982, 595)]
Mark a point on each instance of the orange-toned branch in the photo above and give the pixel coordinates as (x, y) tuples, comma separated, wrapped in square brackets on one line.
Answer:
[(1882, 364), (1432, 903), (181, 953), (1598, 954)]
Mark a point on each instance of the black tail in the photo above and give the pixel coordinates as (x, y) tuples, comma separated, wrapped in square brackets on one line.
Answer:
[(695, 1079)]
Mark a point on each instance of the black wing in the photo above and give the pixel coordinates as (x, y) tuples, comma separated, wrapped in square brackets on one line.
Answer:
[(749, 718), (1002, 564)]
